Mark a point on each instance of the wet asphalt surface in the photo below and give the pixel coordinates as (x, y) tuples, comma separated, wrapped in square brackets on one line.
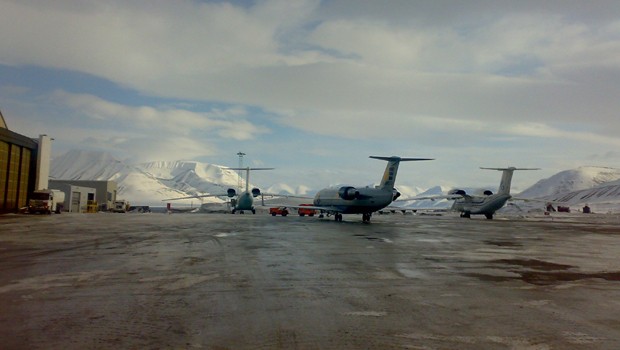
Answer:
[(217, 281)]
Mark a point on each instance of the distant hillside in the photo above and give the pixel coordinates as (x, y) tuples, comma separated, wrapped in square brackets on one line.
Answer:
[(285, 189), (598, 187), (150, 183), (147, 183), (571, 180)]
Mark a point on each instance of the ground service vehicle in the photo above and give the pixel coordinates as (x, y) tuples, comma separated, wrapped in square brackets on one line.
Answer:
[(278, 211), (120, 206), (46, 201), (306, 211)]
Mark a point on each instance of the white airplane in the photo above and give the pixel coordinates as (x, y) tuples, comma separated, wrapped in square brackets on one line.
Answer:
[(365, 200), (488, 203), (243, 201)]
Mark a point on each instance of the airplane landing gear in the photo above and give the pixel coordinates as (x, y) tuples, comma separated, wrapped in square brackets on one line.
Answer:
[(338, 217), (366, 217), (466, 214), (233, 211), (253, 211), (489, 216)]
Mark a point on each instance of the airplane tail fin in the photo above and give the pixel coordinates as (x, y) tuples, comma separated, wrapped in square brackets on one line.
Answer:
[(504, 184), (247, 174), (389, 176)]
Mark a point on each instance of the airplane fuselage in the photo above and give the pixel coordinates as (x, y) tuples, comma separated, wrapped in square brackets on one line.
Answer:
[(486, 205), (245, 201), (368, 201), (364, 200)]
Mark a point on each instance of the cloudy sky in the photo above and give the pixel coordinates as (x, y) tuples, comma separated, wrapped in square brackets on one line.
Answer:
[(314, 87)]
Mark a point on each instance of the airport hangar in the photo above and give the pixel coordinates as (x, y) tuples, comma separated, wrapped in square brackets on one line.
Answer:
[(25, 168), (19, 167)]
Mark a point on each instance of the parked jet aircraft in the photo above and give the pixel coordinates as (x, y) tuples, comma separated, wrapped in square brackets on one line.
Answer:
[(486, 204), (365, 200), (243, 201)]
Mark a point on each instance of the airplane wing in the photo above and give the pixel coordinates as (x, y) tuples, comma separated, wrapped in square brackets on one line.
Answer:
[(200, 196), (403, 209), (532, 200), (327, 209), (437, 197)]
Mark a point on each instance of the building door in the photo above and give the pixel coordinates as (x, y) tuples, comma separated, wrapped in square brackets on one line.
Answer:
[(75, 202)]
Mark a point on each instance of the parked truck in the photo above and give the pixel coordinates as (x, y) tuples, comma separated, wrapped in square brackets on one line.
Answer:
[(120, 206), (46, 202)]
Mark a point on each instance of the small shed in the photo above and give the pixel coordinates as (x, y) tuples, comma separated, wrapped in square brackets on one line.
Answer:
[(77, 198)]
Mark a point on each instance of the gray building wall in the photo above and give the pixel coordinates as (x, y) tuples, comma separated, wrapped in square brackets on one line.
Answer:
[(105, 190), (76, 197)]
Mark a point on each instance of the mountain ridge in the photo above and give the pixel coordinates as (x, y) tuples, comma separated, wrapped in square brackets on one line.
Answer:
[(153, 182)]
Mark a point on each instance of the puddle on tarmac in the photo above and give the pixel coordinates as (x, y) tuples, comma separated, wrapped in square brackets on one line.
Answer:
[(543, 273)]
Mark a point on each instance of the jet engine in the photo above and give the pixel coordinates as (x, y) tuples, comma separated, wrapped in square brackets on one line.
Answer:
[(488, 193), (348, 193), (255, 192), (231, 192), (457, 191), (395, 194)]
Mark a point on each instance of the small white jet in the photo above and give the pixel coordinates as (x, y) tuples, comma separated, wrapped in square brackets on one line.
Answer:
[(243, 201), (488, 203), (365, 200)]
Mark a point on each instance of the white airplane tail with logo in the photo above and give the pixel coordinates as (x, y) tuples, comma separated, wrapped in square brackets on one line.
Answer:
[(504, 184), (389, 176)]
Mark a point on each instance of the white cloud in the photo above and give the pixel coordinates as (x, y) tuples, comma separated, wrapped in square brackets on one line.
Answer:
[(356, 70), (545, 131), (515, 65), (147, 119)]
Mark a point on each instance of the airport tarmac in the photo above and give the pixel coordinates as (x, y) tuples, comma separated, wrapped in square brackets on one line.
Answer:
[(220, 281)]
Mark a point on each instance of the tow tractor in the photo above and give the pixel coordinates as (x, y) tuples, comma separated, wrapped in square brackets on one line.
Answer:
[(278, 211)]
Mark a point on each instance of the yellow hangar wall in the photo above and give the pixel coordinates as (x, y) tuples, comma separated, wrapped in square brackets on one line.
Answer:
[(24, 167), (18, 156)]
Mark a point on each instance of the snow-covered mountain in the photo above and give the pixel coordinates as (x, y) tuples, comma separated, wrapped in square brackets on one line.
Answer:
[(285, 189), (150, 183), (598, 187), (147, 183), (571, 180), (87, 165), (425, 203)]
